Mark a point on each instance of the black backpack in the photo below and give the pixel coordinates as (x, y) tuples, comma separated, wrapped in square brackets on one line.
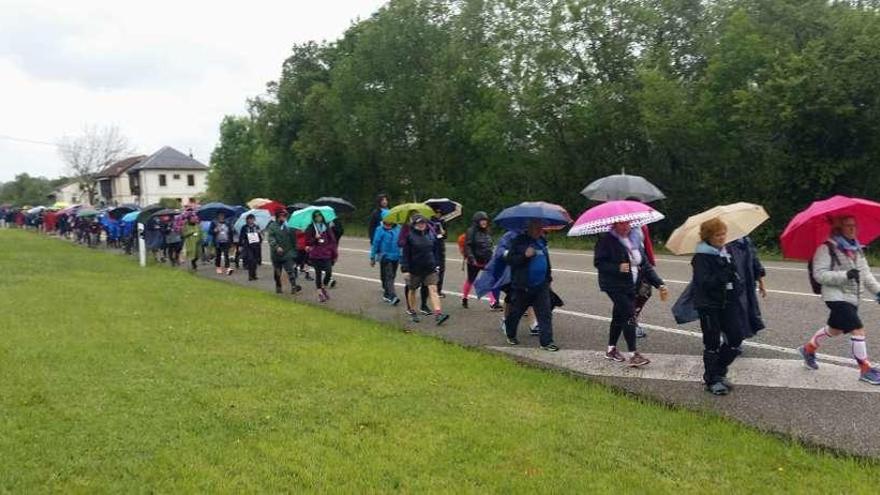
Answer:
[(814, 284)]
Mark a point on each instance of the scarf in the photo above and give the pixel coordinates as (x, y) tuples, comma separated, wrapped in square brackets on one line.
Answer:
[(849, 247), (706, 248)]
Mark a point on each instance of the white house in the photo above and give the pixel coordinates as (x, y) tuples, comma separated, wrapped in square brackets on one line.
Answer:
[(112, 186), (167, 173), (70, 193)]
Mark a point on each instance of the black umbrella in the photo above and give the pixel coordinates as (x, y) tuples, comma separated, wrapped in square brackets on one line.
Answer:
[(339, 205), (147, 212), (165, 212), (297, 206), (122, 210)]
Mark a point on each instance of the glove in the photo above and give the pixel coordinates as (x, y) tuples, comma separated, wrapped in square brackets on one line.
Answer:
[(852, 274)]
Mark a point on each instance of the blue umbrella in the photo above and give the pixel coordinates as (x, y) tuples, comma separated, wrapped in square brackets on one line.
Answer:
[(262, 218), (302, 219), (518, 217), (211, 210), (122, 210), (131, 217)]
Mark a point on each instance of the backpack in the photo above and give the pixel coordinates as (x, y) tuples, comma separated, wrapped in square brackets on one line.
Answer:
[(814, 284), (462, 240)]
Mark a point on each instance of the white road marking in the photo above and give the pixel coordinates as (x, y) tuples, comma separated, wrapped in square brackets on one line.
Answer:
[(759, 372), (676, 331)]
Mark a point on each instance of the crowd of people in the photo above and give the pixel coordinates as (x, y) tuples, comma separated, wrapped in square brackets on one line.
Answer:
[(515, 274)]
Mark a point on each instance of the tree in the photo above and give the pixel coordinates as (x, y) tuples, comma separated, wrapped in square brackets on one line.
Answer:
[(27, 190), (92, 151)]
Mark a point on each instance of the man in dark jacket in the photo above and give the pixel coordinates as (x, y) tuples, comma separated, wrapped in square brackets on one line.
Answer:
[(478, 250), (418, 263), (376, 215), (530, 277), (282, 245)]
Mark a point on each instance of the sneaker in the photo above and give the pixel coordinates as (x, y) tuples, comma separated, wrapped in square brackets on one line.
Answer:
[(278, 289), (640, 333), (637, 361), (309, 277), (512, 341), (441, 295), (386, 299), (425, 311), (410, 312), (321, 297), (534, 330), (464, 302), (496, 306), (295, 289), (871, 376), (414, 317), (551, 347), (229, 271), (809, 358), (395, 301), (615, 355), (717, 389), (326, 295), (440, 319), (332, 283)]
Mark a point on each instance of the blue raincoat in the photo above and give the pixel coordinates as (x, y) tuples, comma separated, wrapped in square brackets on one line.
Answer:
[(496, 275)]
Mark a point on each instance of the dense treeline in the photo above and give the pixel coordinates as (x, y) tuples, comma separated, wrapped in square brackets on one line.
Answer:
[(27, 190), (492, 102)]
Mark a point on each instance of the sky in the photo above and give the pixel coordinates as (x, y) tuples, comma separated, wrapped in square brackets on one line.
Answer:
[(164, 72)]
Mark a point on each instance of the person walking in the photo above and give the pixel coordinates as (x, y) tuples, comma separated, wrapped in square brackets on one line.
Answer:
[(419, 266), (384, 249), (842, 270), (377, 215), (478, 248), (716, 290), (192, 239), (322, 248), (222, 243), (173, 242), (282, 246), (250, 242), (751, 273), (530, 278), (622, 263)]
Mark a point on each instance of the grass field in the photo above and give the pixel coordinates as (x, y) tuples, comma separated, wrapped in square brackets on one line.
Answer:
[(118, 379)]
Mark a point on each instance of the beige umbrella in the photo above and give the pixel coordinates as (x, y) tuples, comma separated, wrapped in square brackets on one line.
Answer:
[(741, 219), (257, 202)]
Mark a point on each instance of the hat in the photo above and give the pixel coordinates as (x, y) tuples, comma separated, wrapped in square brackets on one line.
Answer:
[(418, 219)]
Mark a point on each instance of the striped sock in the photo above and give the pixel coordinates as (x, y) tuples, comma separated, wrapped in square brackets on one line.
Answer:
[(816, 340), (860, 353)]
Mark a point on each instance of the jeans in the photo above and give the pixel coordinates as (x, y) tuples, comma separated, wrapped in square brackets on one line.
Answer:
[(539, 300), (387, 272)]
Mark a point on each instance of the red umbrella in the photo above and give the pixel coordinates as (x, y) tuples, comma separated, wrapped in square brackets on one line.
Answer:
[(272, 207), (811, 227)]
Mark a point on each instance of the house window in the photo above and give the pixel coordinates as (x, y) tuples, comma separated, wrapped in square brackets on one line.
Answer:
[(191, 180), (176, 176), (163, 180)]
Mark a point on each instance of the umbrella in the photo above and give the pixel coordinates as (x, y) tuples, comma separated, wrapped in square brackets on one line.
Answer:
[(400, 213), (261, 215), (131, 217), (86, 212), (147, 212), (272, 207), (811, 227), (301, 219), (518, 217), (338, 204), (59, 205), (622, 186), (70, 210), (297, 206), (257, 203), (449, 210), (35, 210), (741, 219), (121, 211), (165, 212), (211, 210), (602, 217)]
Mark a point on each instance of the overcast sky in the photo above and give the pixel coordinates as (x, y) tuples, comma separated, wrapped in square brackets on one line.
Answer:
[(164, 72)]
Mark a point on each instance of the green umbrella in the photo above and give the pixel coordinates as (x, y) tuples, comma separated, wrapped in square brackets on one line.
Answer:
[(301, 219), (86, 212), (401, 213)]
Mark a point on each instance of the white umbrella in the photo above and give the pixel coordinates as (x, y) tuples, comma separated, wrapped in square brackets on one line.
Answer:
[(741, 219)]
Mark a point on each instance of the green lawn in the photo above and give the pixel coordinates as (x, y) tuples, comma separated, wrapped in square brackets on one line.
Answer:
[(118, 379)]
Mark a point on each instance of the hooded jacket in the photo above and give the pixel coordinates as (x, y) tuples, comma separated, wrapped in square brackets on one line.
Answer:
[(419, 254), (376, 216), (322, 246), (478, 243)]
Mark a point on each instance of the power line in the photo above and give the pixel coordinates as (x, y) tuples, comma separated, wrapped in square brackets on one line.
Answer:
[(30, 141)]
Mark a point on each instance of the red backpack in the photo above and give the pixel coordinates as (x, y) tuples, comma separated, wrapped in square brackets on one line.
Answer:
[(462, 240)]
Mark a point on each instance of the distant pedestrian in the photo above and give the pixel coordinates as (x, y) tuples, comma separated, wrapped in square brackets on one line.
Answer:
[(716, 290), (173, 242), (478, 249), (419, 266), (322, 248), (250, 242), (222, 243), (622, 263), (842, 270), (377, 214), (530, 277), (385, 250), (192, 238), (282, 246)]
